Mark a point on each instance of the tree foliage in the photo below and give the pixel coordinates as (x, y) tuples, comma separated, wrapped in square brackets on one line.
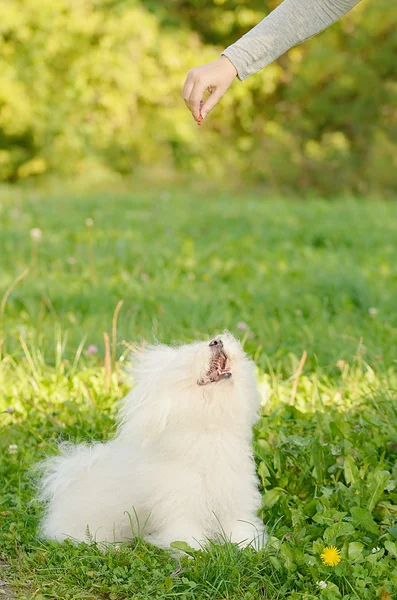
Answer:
[(88, 84)]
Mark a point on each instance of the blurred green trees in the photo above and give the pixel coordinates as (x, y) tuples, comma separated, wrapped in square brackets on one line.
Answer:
[(96, 84)]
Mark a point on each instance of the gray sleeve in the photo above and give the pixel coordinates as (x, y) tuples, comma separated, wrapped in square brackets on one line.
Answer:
[(292, 22)]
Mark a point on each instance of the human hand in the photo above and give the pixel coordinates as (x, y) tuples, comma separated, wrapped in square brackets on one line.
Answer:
[(216, 78)]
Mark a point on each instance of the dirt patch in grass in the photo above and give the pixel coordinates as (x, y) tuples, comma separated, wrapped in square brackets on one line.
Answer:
[(5, 589)]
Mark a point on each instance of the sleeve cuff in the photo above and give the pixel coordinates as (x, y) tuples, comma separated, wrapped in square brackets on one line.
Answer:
[(232, 56)]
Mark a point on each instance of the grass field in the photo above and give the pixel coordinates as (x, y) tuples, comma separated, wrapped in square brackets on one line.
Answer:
[(287, 277)]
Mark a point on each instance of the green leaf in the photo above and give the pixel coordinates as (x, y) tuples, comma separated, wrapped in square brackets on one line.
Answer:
[(189, 582), (275, 562), (393, 531), (355, 550), (261, 448), (272, 496), (184, 547), (364, 518), (263, 473), (377, 486), (391, 547), (350, 471), (287, 554), (337, 530), (331, 591), (318, 460), (168, 583)]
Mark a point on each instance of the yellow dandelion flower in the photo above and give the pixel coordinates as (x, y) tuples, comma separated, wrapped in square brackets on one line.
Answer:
[(331, 556)]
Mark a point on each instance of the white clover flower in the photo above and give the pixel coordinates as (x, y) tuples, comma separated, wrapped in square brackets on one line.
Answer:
[(12, 448), (321, 584), (89, 222), (373, 311), (242, 325), (36, 234)]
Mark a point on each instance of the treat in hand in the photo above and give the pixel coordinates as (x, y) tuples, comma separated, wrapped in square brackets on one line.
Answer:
[(200, 117)]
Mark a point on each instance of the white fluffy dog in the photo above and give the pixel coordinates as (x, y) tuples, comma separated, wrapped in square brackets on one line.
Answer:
[(180, 467)]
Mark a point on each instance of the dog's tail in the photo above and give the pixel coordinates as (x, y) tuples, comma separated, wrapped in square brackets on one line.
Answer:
[(57, 473), (56, 476)]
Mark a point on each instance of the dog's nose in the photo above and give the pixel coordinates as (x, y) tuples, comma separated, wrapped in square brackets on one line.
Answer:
[(217, 342)]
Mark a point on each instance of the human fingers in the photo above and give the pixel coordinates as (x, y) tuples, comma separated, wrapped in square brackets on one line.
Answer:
[(211, 101), (187, 89), (195, 98)]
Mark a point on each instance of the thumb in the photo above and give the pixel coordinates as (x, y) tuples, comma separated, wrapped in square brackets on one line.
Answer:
[(211, 101)]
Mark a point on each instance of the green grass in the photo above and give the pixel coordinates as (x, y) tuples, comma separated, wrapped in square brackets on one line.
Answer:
[(286, 276)]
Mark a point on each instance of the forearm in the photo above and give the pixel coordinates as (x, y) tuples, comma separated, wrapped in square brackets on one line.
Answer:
[(292, 22)]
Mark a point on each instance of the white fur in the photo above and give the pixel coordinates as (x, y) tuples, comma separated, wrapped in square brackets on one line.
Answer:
[(180, 467)]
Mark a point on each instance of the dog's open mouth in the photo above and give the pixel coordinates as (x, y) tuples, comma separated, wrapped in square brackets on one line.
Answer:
[(219, 368)]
